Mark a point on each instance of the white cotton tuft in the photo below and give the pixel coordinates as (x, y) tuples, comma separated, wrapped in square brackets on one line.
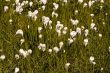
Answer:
[(19, 31)]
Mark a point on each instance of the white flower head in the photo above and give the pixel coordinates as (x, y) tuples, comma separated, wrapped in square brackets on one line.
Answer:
[(22, 41), (2, 57), (56, 49), (29, 51), (39, 29), (61, 44), (74, 22), (80, 1), (40, 36), (90, 3), (102, 69), (82, 27), (19, 31), (78, 30), (16, 70), (76, 11), (109, 49), (67, 65), (85, 42), (54, 14), (7, 0), (100, 35), (92, 15), (30, 4), (23, 53), (10, 20), (73, 33), (42, 47), (55, 6), (70, 40), (43, 7), (86, 32), (45, 20), (16, 56), (85, 5), (16, 1), (91, 58), (92, 25), (5, 8), (43, 1), (65, 30), (65, 1), (50, 50), (93, 63), (102, 1)]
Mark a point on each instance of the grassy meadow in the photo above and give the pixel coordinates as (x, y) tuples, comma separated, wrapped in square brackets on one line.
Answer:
[(73, 39)]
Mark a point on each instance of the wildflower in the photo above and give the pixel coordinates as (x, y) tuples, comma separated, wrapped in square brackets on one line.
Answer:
[(59, 27), (28, 26), (63, 51), (73, 33), (109, 49), (39, 29), (85, 5), (19, 8), (23, 53), (95, 28), (7, 0), (100, 35), (65, 1), (91, 58), (16, 1), (90, 3), (102, 69), (2, 57), (56, 49), (86, 32), (102, 1), (43, 7), (16, 70), (30, 4), (61, 44), (40, 35), (29, 51), (82, 27), (80, 1), (19, 31), (85, 42), (50, 22), (67, 65), (50, 50), (42, 47), (78, 30), (17, 56), (54, 14), (5, 8), (22, 41), (76, 11), (74, 22), (45, 20), (10, 20), (93, 63), (43, 1), (55, 6), (65, 30), (92, 15), (70, 40), (33, 14), (92, 25)]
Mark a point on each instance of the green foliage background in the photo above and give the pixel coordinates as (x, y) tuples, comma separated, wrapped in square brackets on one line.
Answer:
[(42, 62)]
